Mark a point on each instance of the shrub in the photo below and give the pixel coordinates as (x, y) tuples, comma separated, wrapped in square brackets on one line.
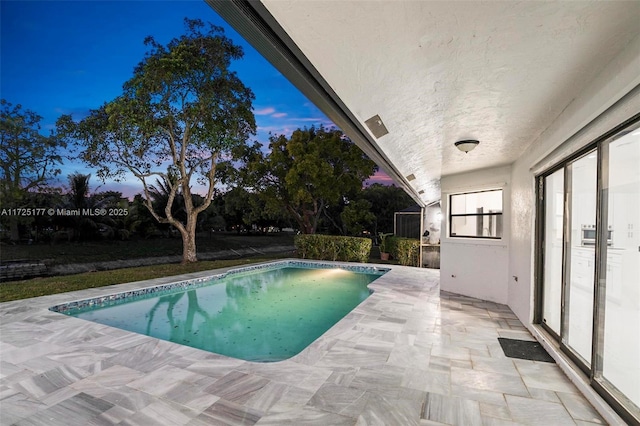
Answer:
[(404, 250), (331, 247)]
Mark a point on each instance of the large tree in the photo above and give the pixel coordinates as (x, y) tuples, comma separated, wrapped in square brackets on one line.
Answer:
[(181, 112), (385, 201), (27, 159), (307, 172)]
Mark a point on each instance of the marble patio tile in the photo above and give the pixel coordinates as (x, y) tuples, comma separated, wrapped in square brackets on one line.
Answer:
[(502, 383), (342, 376), (237, 387), (77, 410), (146, 357), (60, 395), (82, 355), (292, 399), (499, 366), (373, 345), (116, 376), (494, 421), (225, 412), (580, 409), (217, 368), (404, 339), (409, 356), (46, 383), (42, 364), (452, 352), (305, 416), (543, 394), (451, 410), (112, 416), (544, 375), (158, 383), (479, 395), (161, 412), (314, 380), (383, 410), (346, 357), (12, 373), (18, 406), (15, 333), (440, 364), (534, 412), (428, 381), (371, 334), (343, 400), (76, 332), (462, 363), (25, 353), (375, 324), (516, 334), (130, 399), (191, 396), (286, 372), (500, 411), (378, 378), (267, 397), (515, 324)]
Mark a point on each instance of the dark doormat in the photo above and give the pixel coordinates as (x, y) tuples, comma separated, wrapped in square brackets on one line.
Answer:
[(524, 349)]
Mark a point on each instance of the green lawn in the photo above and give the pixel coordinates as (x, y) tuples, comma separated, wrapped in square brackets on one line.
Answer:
[(99, 251)]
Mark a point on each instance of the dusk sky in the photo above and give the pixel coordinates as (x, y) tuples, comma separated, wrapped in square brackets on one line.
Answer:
[(67, 57)]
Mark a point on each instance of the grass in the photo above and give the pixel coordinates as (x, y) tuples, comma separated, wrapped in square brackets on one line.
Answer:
[(35, 287), (97, 251)]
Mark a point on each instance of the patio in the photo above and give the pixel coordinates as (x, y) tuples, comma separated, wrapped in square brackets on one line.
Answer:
[(408, 355)]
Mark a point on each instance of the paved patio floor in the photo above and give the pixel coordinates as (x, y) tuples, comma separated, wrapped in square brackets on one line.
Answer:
[(408, 355)]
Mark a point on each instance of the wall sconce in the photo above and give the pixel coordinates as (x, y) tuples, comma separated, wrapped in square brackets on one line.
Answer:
[(466, 145)]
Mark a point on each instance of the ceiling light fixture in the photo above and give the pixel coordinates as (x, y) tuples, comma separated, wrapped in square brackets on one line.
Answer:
[(466, 145)]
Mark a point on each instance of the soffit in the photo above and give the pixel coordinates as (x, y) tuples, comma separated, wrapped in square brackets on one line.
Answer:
[(437, 72)]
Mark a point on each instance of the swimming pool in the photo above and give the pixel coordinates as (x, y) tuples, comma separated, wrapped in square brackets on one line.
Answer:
[(262, 313)]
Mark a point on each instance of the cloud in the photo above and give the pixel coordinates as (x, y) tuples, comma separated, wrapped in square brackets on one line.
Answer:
[(279, 115), (264, 111)]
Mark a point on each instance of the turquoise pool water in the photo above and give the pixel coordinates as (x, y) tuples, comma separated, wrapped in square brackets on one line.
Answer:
[(264, 315)]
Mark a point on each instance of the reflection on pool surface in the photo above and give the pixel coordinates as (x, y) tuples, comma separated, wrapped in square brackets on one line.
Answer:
[(266, 315)]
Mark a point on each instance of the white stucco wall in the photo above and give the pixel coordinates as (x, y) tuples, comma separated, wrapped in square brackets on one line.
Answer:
[(610, 99), (470, 266)]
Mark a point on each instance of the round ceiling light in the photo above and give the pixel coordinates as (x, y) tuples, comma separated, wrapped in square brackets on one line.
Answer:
[(466, 145)]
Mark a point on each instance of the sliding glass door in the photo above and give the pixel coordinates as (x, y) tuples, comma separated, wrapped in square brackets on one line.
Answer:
[(581, 246), (552, 288), (621, 339), (589, 264)]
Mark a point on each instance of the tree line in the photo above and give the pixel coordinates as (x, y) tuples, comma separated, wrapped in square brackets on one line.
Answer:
[(184, 118)]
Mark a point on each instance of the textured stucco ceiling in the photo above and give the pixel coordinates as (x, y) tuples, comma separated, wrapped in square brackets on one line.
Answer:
[(437, 72)]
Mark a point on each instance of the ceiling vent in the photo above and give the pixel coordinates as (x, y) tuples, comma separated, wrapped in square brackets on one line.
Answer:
[(411, 177), (376, 126)]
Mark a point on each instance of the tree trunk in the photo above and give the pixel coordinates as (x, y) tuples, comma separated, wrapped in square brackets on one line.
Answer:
[(13, 228), (189, 240)]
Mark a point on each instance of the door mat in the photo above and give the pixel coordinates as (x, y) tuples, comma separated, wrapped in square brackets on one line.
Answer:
[(524, 349)]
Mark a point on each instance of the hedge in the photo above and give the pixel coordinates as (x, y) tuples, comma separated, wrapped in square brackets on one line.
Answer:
[(404, 250), (331, 247)]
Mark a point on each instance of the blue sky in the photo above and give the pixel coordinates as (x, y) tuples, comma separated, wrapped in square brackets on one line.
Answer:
[(66, 57)]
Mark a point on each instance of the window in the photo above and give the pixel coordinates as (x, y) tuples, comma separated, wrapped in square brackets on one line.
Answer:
[(476, 214)]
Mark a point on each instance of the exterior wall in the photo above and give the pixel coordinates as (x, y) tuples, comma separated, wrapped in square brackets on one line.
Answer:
[(609, 100), (469, 266), (503, 271)]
